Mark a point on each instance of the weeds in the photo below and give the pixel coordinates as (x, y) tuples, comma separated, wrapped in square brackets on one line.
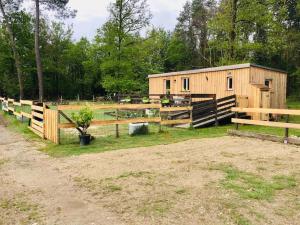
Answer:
[(251, 186)]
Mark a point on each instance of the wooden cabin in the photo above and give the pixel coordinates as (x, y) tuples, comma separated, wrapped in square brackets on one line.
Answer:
[(255, 86)]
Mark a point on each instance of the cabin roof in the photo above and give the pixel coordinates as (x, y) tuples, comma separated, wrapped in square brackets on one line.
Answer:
[(213, 69)]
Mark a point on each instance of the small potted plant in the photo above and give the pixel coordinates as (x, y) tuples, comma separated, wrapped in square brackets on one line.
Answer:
[(83, 121)]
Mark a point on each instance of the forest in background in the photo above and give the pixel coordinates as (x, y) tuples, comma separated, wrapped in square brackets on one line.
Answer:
[(127, 47)]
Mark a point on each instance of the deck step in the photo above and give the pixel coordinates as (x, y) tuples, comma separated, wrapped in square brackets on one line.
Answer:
[(211, 121)]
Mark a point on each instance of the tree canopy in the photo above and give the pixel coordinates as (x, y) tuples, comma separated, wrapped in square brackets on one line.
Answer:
[(127, 47)]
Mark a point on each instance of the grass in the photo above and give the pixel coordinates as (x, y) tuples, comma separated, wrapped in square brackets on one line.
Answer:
[(30, 211), (251, 186), (103, 144), (18, 127), (157, 207)]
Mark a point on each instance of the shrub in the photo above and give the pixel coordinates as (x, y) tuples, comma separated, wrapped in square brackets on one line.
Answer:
[(83, 119)]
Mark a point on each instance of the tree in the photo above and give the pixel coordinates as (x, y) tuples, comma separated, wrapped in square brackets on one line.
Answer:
[(189, 45), (118, 37), (60, 7), (7, 9)]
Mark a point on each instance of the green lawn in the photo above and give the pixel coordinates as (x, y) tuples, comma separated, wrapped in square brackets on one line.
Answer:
[(19, 127), (108, 143)]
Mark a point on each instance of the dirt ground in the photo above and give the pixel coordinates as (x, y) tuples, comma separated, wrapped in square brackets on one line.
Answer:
[(170, 184)]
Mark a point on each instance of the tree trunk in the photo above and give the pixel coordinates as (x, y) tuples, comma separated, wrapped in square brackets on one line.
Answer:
[(233, 28), (120, 38), (39, 67), (14, 49)]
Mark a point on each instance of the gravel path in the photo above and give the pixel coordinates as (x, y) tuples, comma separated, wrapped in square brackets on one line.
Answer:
[(170, 184)]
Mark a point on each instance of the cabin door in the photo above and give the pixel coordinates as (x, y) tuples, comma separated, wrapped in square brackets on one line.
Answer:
[(265, 103)]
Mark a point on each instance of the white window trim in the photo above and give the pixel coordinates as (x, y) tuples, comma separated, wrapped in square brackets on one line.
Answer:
[(183, 80), (227, 83), (270, 82)]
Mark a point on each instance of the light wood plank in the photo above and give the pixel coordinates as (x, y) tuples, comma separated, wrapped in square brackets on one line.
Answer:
[(174, 122), (10, 100), (38, 123), (38, 115), (264, 110), (38, 128), (37, 108), (114, 122), (36, 132), (26, 102), (27, 115), (17, 114), (17, 103), (11, 109), (174, 109), (266, 123), (110, 106)]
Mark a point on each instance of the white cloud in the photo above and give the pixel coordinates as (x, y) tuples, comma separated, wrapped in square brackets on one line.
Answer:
[(93, 13), (90, 9)]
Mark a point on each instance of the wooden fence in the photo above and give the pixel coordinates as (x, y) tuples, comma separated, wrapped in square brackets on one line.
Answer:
[(286, 125), (118, 107), (213, 111), (46, 123), (41, 120)]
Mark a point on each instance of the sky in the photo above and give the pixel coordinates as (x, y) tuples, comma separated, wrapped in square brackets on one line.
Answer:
[(92, 14)]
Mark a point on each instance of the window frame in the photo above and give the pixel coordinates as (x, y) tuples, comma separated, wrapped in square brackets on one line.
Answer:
[(229, 77), (167, 90), (270, 83), (185, 81)]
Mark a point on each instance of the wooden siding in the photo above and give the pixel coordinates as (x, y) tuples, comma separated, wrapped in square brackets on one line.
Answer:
[(215, 82), (278, 89), (205, 83)]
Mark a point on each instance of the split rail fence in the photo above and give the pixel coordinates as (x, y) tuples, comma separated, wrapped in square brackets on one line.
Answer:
[(46, 123), (41, 120), (286, 125)]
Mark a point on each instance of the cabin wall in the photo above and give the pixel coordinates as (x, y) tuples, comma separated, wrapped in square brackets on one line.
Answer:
[(278, 89), (216, 83), (205, 83)]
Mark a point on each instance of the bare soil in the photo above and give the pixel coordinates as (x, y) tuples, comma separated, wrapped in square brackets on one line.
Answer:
[(170, 184)]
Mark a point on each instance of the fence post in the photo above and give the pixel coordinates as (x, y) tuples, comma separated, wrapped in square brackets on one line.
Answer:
[(236, 116), (58, 129), (159, 128), (44, 122), (117, 125), (286, 133), (216, 111)]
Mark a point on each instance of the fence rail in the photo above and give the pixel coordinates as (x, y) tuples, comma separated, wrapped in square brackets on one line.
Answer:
[(38, 123), (286, 125), (120, 107), (46, 123)]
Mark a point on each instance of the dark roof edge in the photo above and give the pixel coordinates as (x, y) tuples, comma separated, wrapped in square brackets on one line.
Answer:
[(268, 68), (213, 69)]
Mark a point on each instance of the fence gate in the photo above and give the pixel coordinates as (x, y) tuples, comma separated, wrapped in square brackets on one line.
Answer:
[(51, 125), (37, 120)]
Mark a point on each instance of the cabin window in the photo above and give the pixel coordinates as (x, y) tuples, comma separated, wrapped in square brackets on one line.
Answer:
[(167, 86), (186, 84), (229, 83), (268, 83)]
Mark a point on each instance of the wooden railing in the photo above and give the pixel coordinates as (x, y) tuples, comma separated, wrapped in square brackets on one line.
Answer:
[(211, 111), (118, 107), (39, 121), (286, 125)]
